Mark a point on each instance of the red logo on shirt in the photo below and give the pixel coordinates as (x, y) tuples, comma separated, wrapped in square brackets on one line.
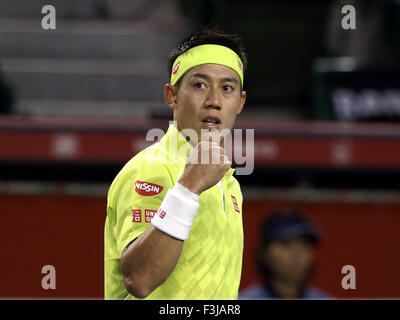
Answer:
[(136, 215), (148, 215), (147, 188), (161, 213), (235, 204)]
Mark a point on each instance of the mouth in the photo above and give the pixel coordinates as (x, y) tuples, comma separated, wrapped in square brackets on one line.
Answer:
[(210, 123)]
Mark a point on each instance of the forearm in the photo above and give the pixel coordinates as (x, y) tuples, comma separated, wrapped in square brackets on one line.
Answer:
[(148, 261)]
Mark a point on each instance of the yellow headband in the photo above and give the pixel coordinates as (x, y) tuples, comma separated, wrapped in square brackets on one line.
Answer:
[(203, 54)]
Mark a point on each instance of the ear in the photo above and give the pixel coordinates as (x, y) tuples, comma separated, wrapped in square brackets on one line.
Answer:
[(242, 101), (171, 96)]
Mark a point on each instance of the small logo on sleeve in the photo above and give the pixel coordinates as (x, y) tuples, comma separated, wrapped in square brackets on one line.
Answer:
[(147, 188), (149, 214), (161, 213), (235, 204), (136, 215)]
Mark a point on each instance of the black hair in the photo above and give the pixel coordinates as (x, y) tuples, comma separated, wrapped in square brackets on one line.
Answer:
[(210, 34)]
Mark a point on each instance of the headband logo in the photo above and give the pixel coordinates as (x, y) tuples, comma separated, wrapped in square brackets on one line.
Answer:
[(240, 65), (175, 70)]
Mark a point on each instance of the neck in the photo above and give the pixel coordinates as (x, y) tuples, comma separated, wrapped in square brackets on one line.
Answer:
[(285, 289), (182, 132)]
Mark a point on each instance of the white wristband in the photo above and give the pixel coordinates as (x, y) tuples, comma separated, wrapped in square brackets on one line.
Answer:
[(186, 192), (177, 211)]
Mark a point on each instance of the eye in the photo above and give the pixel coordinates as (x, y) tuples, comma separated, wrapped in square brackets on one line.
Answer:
[(199, 85), (227, 88)]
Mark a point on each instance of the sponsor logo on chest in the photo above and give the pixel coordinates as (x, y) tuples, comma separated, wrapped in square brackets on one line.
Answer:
[(147, 189)]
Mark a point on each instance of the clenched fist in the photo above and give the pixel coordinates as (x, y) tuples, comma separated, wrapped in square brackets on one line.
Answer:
[(206, 164)]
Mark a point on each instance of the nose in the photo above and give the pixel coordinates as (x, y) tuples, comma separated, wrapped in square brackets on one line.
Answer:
[(213, 100)]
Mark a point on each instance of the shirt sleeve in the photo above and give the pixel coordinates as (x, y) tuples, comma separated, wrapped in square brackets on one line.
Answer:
[(136, 199)]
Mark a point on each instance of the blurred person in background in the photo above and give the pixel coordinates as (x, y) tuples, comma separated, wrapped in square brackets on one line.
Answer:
[(285, 258)]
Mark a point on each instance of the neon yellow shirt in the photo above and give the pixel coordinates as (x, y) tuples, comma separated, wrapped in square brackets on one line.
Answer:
[(210, 263)]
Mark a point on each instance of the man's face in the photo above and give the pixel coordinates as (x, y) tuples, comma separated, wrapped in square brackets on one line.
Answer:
[(290, 261), (209, 97)]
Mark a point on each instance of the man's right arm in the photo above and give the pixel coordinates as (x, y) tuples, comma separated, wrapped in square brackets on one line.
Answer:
[(148, 261)]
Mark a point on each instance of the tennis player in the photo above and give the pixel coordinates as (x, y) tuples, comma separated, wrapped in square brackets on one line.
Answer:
[(174, 222)]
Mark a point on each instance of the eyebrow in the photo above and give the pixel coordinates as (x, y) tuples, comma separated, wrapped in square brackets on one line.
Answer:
[(208, 78)]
